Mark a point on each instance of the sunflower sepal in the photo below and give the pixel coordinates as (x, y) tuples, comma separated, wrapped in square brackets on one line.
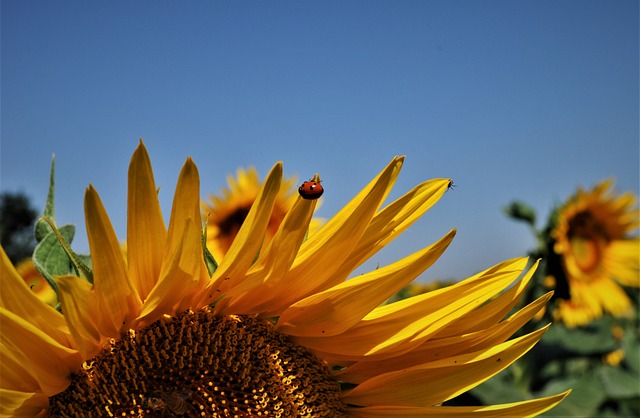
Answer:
[(209, 259)]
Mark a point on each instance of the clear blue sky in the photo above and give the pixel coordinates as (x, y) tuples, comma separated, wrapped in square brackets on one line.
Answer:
[(512, 99)]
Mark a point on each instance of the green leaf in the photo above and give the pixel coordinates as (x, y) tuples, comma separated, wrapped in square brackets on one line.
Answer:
[(80, 267), (500, 389), (594, 339), (619, 383), (609, 412), (41, 227), (629, 407), (53, 255), (631, 347), (521, 212), (584, 400), (50, 258)]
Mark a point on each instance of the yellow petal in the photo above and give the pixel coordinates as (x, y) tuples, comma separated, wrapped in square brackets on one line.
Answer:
[(584, 300), (186, 205), (612, 297), (335, 310), (323, 253), (146, 233), (529, 408), (242, 253), (117, 299), (22, 342), (435, 382), (22, 404), (393, 220), (19, 299), (491, 313), (79, 305), (287, 241), (399, 327), (385, 226), (622, 261), (265, 281), (439, 348), (177, 279), (14, 374), (185, 213)]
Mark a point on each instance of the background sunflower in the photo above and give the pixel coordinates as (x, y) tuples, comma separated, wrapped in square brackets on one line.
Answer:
[(590, 252), (225, 212)]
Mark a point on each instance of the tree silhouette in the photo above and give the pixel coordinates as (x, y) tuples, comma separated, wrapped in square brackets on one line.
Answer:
[(17, 219)]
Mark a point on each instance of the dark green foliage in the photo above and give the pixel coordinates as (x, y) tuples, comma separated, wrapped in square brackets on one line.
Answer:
[(522, 212)]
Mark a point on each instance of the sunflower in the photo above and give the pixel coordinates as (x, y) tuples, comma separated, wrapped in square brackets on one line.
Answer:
[(36, 282), (275, 330), (593, 239), (224, 213)]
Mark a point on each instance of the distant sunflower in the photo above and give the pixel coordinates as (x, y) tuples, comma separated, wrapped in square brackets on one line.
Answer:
[(36, 282), (276, 330), (597, 252), (225, 212)]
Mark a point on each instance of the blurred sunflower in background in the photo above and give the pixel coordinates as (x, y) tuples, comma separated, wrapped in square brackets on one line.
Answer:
[(36, 282), (275, 329), (590, 254), (598, 253), (225, 212)]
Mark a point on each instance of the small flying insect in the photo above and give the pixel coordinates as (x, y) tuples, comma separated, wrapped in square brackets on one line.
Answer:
[(450, 186)]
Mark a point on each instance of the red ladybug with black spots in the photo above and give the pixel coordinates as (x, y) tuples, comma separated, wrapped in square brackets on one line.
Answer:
[(311, 189)]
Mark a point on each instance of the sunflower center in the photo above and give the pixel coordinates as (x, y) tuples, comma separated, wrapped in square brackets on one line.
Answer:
[(585, 225), (587, 238), (230, 225), (586, 253), (198, 364)]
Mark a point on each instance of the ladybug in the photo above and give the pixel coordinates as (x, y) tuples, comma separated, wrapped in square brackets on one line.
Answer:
[(311, 189)]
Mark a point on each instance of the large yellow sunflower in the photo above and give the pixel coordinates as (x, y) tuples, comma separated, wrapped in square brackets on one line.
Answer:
[(593, 240), (276, 330), (224, 213)]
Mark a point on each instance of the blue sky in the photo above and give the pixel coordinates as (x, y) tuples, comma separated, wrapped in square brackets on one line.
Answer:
[(511, 99)]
